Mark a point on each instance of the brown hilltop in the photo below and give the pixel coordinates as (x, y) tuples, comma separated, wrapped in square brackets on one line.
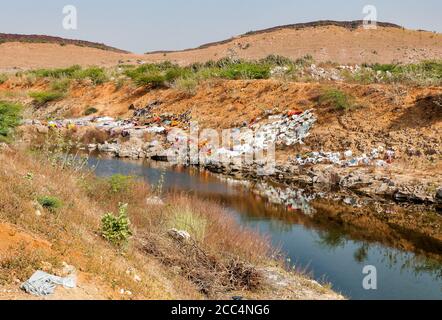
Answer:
[(343, 42)]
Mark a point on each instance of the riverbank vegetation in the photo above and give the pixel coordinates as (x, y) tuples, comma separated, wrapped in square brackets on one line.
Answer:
[(129, 246)]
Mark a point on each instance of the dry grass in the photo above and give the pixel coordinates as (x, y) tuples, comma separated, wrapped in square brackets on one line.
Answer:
[(221, 256)]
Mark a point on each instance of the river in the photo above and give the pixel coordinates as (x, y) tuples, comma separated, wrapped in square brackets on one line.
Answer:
[(326, 252)]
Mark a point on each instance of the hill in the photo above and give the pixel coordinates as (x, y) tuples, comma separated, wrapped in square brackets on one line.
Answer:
[(343, 42)]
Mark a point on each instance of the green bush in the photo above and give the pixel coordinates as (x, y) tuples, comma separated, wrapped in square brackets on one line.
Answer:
[(154, 79), (50, 203), (95, 74), (157, 75), (3, 78), (61, 86), (276, 60), (57, 73), (43, 97), (120, 183), (116, 229), (384, 67), (90, 111), (187, 85), (246, 70), (337, 99), (9, 118)]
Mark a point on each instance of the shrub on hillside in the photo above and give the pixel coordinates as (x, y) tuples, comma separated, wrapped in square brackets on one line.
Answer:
[(337, 99), (57, 73), (61, 86), (95, 74), (116, 229), (9, 118), (246, 70), (187, 85), (43, 97), (49, 202)]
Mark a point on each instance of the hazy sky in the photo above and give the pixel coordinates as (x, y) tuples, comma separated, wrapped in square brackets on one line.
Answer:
[(141, 26)]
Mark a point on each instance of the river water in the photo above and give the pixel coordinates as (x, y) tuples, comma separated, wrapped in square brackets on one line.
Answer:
[(326, 252)]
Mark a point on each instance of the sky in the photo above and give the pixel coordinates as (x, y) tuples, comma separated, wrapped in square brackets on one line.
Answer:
[(146, 25)]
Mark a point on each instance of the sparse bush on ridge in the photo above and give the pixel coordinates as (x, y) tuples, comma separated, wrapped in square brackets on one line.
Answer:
[(57, 73), (43, 97), (187, 85), (337, 99), (246, 70), (61, 85), (167, 74), (96, 74)]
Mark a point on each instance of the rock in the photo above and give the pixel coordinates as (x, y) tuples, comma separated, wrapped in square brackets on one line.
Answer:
[(4, 147), (110, 148), (438, 196), (154, 201), (42, 129), (179, 235)]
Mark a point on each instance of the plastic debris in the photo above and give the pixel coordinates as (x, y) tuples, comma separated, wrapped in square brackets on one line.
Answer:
[(346, 159), (43, 284)]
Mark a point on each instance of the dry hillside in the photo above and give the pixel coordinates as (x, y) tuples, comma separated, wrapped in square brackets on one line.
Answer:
[(342, 42)]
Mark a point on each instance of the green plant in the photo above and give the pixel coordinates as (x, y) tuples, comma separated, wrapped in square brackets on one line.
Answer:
[(276, 60), (61, 86), (90, 111), (95, 74), (120, 183), (116, 229), (49, 202), (9, 118), (57, 73), (3, 78), (246, 70), (43, 97), (337, 99), (385, 67)]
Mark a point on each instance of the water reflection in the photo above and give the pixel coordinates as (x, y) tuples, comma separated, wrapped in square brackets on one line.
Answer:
[(329, 249)]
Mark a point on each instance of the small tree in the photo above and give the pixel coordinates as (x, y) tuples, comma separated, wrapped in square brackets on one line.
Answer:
[(116, 229)]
